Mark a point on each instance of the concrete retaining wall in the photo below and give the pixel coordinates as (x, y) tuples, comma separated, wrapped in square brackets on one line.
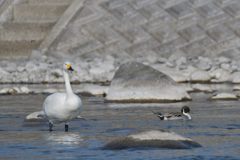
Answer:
[(141, 29)]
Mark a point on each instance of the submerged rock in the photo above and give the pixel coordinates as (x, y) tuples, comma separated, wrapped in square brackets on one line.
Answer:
[(152, 139), (225, 96), (135, 82)]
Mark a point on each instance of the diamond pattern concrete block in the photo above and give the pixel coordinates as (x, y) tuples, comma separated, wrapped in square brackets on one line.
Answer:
[(209, 10), (181, 10), (124, 12), (188, 21), (233, 9), (194, 49), (78, 40), (164, 34), (198, 3), (137, 4), (223, 3), (169, 3), (192, 33), (235, 26), (142, 46), (211, 15), (112, 4), (206, 42), (231, 53), (86, 13), (151, 11), (170, 46), (102, 34), (137, 27), (220, 33), (162, 21), (133, 34), (85, 47), (224, 46)]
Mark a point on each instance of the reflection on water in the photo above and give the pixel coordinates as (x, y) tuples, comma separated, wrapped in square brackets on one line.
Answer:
[(65, 138)]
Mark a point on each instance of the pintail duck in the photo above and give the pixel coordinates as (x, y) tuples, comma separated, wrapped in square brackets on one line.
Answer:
[(175, 116)]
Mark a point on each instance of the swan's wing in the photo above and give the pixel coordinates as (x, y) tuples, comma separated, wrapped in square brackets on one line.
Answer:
[(54, 104), (54, 101)]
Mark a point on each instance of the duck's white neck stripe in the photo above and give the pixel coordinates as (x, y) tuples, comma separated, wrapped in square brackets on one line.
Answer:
[(67, 83), (187, 115)]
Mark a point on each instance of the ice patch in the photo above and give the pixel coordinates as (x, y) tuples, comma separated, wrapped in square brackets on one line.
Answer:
[(158, 135), (16, 90), (225, 96)]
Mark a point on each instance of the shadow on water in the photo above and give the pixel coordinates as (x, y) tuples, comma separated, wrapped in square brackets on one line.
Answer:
[(215, 126)]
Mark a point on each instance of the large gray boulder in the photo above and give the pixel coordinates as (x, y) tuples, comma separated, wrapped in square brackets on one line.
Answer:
[(136, 82), (152, 139)]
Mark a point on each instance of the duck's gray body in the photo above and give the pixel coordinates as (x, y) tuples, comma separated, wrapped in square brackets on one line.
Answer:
[(184, 114)]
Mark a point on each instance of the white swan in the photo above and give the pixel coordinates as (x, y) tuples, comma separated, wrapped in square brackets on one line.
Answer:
[(62, 107)]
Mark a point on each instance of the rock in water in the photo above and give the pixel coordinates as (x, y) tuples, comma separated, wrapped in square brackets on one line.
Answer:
[(152, 139), (135, 82)]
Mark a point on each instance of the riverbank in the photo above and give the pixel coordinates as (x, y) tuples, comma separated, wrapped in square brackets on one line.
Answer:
[(101, 69)]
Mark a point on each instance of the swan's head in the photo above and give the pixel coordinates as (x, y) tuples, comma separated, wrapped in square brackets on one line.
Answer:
[(67, 66)]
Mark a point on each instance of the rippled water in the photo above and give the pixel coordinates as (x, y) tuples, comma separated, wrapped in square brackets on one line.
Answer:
[(215, 125)]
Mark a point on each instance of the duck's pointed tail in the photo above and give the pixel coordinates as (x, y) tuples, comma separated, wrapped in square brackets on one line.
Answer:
[(159, 114)]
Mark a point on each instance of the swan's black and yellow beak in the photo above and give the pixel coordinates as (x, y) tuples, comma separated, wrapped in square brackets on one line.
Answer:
[(69, 67)]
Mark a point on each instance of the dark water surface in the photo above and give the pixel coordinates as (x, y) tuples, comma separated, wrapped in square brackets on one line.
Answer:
[(215, 125)]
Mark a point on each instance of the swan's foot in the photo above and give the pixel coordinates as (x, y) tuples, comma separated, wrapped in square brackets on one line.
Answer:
[(50, 127), (66, 127)]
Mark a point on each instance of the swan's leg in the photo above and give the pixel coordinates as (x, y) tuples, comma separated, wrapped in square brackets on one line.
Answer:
[(66, 127), (50, 126)]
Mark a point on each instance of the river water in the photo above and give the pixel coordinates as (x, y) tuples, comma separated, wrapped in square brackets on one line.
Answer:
[(215, 125)]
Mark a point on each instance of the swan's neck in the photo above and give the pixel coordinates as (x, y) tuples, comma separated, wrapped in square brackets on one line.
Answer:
[(67, 83), (187, 115)]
